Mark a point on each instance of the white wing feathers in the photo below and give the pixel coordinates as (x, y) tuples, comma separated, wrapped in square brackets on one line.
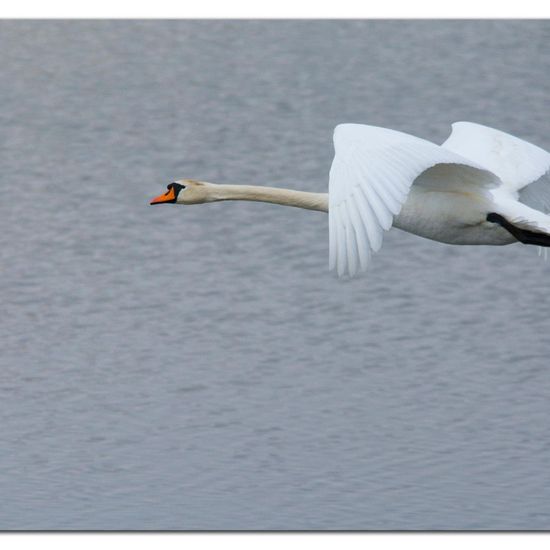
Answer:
[(523, 168), (515, 161), (370, 178)]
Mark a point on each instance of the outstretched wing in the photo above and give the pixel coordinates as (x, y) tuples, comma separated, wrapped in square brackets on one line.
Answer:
[(515, 161), (371, 175)]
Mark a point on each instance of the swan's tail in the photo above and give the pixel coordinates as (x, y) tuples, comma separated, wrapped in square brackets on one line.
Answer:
[(527, 237), (528, 225)]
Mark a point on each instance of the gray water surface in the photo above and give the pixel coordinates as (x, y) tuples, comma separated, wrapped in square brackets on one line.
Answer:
[(198, 367)]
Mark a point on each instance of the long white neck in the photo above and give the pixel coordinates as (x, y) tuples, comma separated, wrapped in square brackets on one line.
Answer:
[(285, 197)]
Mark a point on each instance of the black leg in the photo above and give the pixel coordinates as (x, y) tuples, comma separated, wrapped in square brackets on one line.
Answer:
[(522, 235)]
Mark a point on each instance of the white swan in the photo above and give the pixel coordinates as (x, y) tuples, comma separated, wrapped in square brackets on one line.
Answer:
[(472, 189)]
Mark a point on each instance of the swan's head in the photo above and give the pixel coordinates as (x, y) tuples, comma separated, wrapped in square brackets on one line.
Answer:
[(186, 192)]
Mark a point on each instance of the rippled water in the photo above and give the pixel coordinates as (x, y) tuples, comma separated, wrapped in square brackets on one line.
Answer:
[(199, 368)]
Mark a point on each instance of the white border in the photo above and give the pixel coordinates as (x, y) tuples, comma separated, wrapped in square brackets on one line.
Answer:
[(39, 9), (274, 9), (254, 541)]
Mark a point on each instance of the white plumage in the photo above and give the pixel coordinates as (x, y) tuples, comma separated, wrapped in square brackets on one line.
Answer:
[(382, 177), (481, 186), (516, 162)]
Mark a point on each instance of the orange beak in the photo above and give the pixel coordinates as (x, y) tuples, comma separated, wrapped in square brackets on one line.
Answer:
[(169, 196)]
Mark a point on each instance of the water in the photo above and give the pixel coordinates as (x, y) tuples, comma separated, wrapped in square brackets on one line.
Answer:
[(199, 368)]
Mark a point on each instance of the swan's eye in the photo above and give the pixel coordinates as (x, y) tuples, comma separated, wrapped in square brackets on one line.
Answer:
[(176, 186)]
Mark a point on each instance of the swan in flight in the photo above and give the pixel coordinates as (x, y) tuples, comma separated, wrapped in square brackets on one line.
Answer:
[(481, 186)]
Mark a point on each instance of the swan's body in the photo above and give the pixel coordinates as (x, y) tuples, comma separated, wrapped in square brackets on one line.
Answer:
[(472, 189), (449, 217)]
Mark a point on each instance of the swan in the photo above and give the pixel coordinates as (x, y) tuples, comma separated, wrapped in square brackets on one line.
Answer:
[(482, 186)]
